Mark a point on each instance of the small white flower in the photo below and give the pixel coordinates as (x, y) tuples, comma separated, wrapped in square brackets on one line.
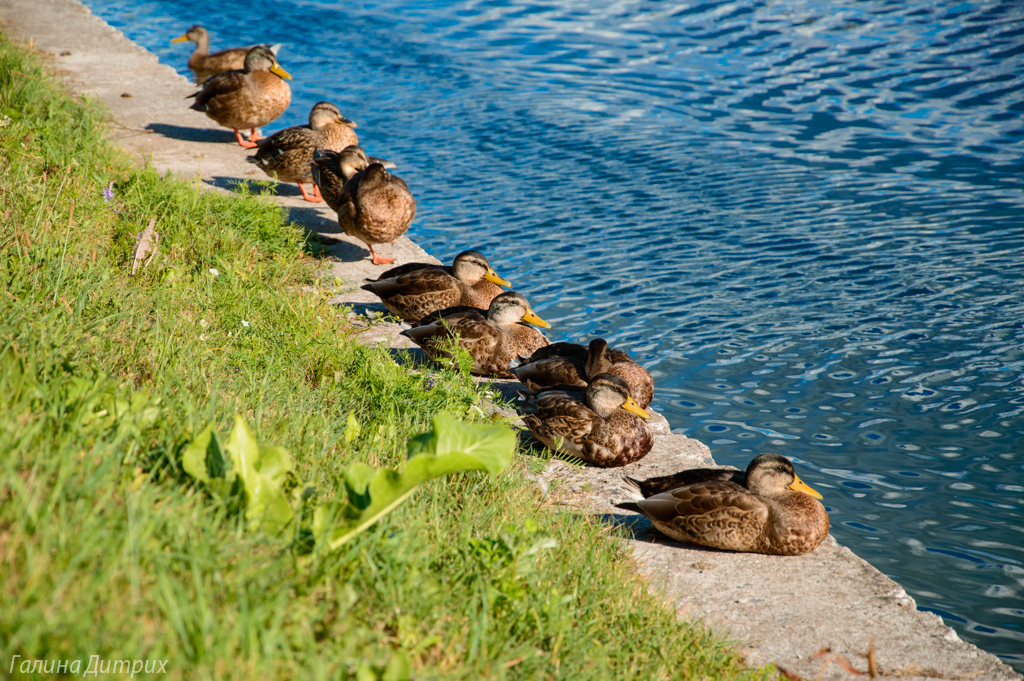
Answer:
[(202, 336), (203, 323), (245, 324), (229, 333), (214, 272)]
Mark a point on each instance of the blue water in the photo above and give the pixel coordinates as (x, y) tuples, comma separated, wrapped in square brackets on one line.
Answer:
[(805, 217)]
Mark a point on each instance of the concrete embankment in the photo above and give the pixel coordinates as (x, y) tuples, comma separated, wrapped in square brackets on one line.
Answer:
[(814, 615)]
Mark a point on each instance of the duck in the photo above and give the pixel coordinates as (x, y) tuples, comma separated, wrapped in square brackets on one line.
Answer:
[(768, 509), (571, 364), (332, 169), (604, 426), (205, 65), (415, 290), (376, 207), (288, 154), (492, 339), (247, 98)]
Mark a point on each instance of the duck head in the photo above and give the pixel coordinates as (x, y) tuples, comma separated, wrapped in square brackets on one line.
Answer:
[(472, 266), (196, 34), (607, 392), (511, 308), (324, 113), (770, 475), (261, 58)]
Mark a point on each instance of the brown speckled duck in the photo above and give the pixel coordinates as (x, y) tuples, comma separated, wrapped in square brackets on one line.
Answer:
[(205, 65), (288, 154), (607, 428), (247, 98), (376, 207), (766, 510), (492, 341), (570, 364), (414, 290)]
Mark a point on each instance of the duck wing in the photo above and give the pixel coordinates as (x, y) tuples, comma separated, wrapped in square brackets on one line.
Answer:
[(720, 514), (692, 476)]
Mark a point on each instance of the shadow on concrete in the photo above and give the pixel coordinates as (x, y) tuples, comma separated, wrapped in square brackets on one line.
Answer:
[(178, 132), (413, 358), (640, 528), (368, 309)]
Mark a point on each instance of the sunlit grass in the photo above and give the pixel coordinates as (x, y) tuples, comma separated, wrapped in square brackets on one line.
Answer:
[(107, 549)]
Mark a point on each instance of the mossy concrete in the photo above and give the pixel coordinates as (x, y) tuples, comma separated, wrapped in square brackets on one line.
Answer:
[(814, 615)]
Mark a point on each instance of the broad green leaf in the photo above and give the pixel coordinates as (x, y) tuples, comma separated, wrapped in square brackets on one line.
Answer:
[(203, 459), (452, 447), (352, 428), (357, 479), (398, 668), (264, 472)]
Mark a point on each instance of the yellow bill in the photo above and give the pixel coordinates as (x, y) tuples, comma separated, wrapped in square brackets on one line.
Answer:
[(532, 318), (179, 39), (278, 71), (801, 486), (492, 276), (631, 406)]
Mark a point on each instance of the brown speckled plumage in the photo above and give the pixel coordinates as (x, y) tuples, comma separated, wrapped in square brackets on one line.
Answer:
[(768, 515), (598, 429), (247, 98), (376, 207), (492, 340), (332, 169), (414, 292), (288, 154), (571, 364)]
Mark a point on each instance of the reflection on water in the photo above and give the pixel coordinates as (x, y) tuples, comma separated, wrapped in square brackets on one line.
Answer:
[(805, 217)]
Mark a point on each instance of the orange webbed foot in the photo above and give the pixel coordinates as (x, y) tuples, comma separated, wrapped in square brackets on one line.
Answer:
[(242, 142), (316, 198), (379, 259)]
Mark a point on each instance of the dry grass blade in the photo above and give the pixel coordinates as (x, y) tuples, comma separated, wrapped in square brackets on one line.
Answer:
[(872, 662), (147, 242)]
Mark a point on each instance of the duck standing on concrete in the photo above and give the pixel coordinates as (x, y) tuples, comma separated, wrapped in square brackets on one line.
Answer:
[(247, 98), (205, 65), (571, 364), (376, 207), (604, 426), (414, 290), (771, 511), (492, 339), (288, 154)]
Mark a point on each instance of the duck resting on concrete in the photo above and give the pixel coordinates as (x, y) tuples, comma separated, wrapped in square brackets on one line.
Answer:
[(247, 98), (766, 510), (288, 154), (205, 65), (414, 290), (492, 339), (602, 425), (571, 364)]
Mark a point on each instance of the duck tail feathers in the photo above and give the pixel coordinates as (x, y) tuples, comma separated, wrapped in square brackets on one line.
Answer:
[(632, 486)]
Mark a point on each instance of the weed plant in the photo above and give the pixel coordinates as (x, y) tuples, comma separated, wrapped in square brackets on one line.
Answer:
[(108, 549)]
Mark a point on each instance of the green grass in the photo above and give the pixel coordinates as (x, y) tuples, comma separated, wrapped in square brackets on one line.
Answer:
[(106, 547)]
